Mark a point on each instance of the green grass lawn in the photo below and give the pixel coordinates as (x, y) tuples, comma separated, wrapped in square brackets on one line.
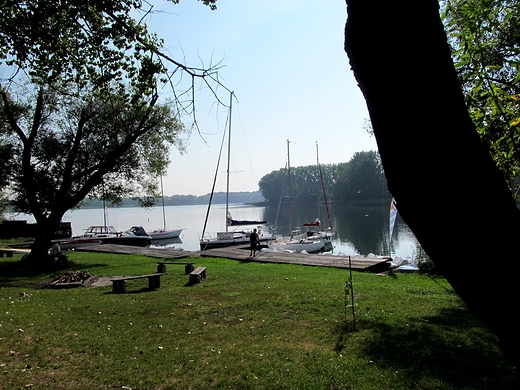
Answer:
[(248, 326)]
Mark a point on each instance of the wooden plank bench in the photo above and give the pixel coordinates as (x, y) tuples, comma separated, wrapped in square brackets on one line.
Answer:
[(119, 284), (161, 266), (8, 252), (197, 274)]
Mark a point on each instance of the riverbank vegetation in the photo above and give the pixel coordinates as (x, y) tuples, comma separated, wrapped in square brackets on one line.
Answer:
[(249, 326), (359, 181)]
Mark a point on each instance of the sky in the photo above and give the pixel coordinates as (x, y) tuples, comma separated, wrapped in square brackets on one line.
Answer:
[(284, 60)]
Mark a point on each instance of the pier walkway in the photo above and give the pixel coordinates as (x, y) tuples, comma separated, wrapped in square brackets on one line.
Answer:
[(241, 253)]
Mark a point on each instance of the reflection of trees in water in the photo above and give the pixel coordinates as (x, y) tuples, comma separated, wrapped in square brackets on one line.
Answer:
[(365, 228), (301, 213)]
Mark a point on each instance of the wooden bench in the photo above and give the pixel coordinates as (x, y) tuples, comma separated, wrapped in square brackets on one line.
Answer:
[(8, 252), (161, 266), (119, 284), (197, 274)]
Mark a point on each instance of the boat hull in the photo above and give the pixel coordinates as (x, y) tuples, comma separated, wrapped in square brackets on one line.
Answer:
[(236, 240), (162, 234), (323, 245), (79, 242), (135, 236), (128, 240)]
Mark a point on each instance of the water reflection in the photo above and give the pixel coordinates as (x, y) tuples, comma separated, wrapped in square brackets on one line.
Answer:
[(366, 228), (166, 242), (358, 230)]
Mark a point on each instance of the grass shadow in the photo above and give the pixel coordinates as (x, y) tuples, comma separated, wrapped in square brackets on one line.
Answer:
[(18, 273), (430, 347)]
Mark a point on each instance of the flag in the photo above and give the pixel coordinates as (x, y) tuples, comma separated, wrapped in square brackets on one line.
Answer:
[(393, 215)]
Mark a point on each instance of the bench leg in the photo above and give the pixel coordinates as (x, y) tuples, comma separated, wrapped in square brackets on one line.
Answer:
[(194, 279), (9, 254), (161, 268), (188, 268), (118, 286), (204, 274), (154, 282)]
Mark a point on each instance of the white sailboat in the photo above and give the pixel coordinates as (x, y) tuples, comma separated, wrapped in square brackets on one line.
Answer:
[(164, 233), (310, 241), (313, 228), (234, 237)]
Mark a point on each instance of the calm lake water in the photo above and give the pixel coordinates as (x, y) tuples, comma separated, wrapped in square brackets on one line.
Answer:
[(358, 230)]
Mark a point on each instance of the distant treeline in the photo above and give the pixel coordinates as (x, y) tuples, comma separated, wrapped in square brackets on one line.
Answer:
[(183, 200), (359, 181)]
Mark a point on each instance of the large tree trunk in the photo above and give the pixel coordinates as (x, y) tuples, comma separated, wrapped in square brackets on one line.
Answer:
[(447, 188), (45, 228)]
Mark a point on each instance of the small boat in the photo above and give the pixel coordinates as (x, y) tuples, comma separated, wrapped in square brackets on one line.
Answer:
[(135, 236), (164, 233), (101, 231), (298, 246)]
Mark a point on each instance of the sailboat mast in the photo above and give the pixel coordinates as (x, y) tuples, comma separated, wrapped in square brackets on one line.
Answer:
[(105, 217), (323, 187), (163, 212), (289, 185), (228, 159)]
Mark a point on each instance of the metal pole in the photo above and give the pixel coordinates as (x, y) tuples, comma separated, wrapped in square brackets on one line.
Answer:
[(352, 293), (228, 158), (163, 212), (289, 182)]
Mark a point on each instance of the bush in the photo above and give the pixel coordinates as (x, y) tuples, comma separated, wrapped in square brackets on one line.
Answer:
[(425, 264)]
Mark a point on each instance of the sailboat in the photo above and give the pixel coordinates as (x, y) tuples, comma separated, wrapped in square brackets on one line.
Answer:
[(312, 227), (234, 237), (164, 233), (310, 241)]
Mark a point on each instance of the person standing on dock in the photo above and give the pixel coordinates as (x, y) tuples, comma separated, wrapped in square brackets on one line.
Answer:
[(253, 237)]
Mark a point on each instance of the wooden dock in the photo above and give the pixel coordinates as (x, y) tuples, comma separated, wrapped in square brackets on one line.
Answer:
[(241, 253)]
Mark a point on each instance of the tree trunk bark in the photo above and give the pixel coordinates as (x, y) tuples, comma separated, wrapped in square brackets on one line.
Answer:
[(447, 188), (39, 252)]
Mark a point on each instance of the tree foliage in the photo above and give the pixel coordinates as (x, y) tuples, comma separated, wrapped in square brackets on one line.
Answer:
[(438, 170), (80, 112), (359, 180), (485, 39)]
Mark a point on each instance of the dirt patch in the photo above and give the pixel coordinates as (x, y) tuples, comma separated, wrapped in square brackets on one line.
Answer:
[(72, 279), (99, 281)]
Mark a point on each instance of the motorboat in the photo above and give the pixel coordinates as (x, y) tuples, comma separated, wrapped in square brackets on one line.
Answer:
[(135, 236)]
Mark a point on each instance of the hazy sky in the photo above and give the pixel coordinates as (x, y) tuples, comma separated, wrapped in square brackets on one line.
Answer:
[(285, 62)]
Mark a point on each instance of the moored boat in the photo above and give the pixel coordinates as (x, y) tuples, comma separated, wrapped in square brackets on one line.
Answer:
[(224, 239), (234, 237), (165, 234), (312, 240), (135, 236)]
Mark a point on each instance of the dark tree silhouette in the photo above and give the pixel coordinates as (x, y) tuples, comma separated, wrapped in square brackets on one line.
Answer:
[(440, 174)]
